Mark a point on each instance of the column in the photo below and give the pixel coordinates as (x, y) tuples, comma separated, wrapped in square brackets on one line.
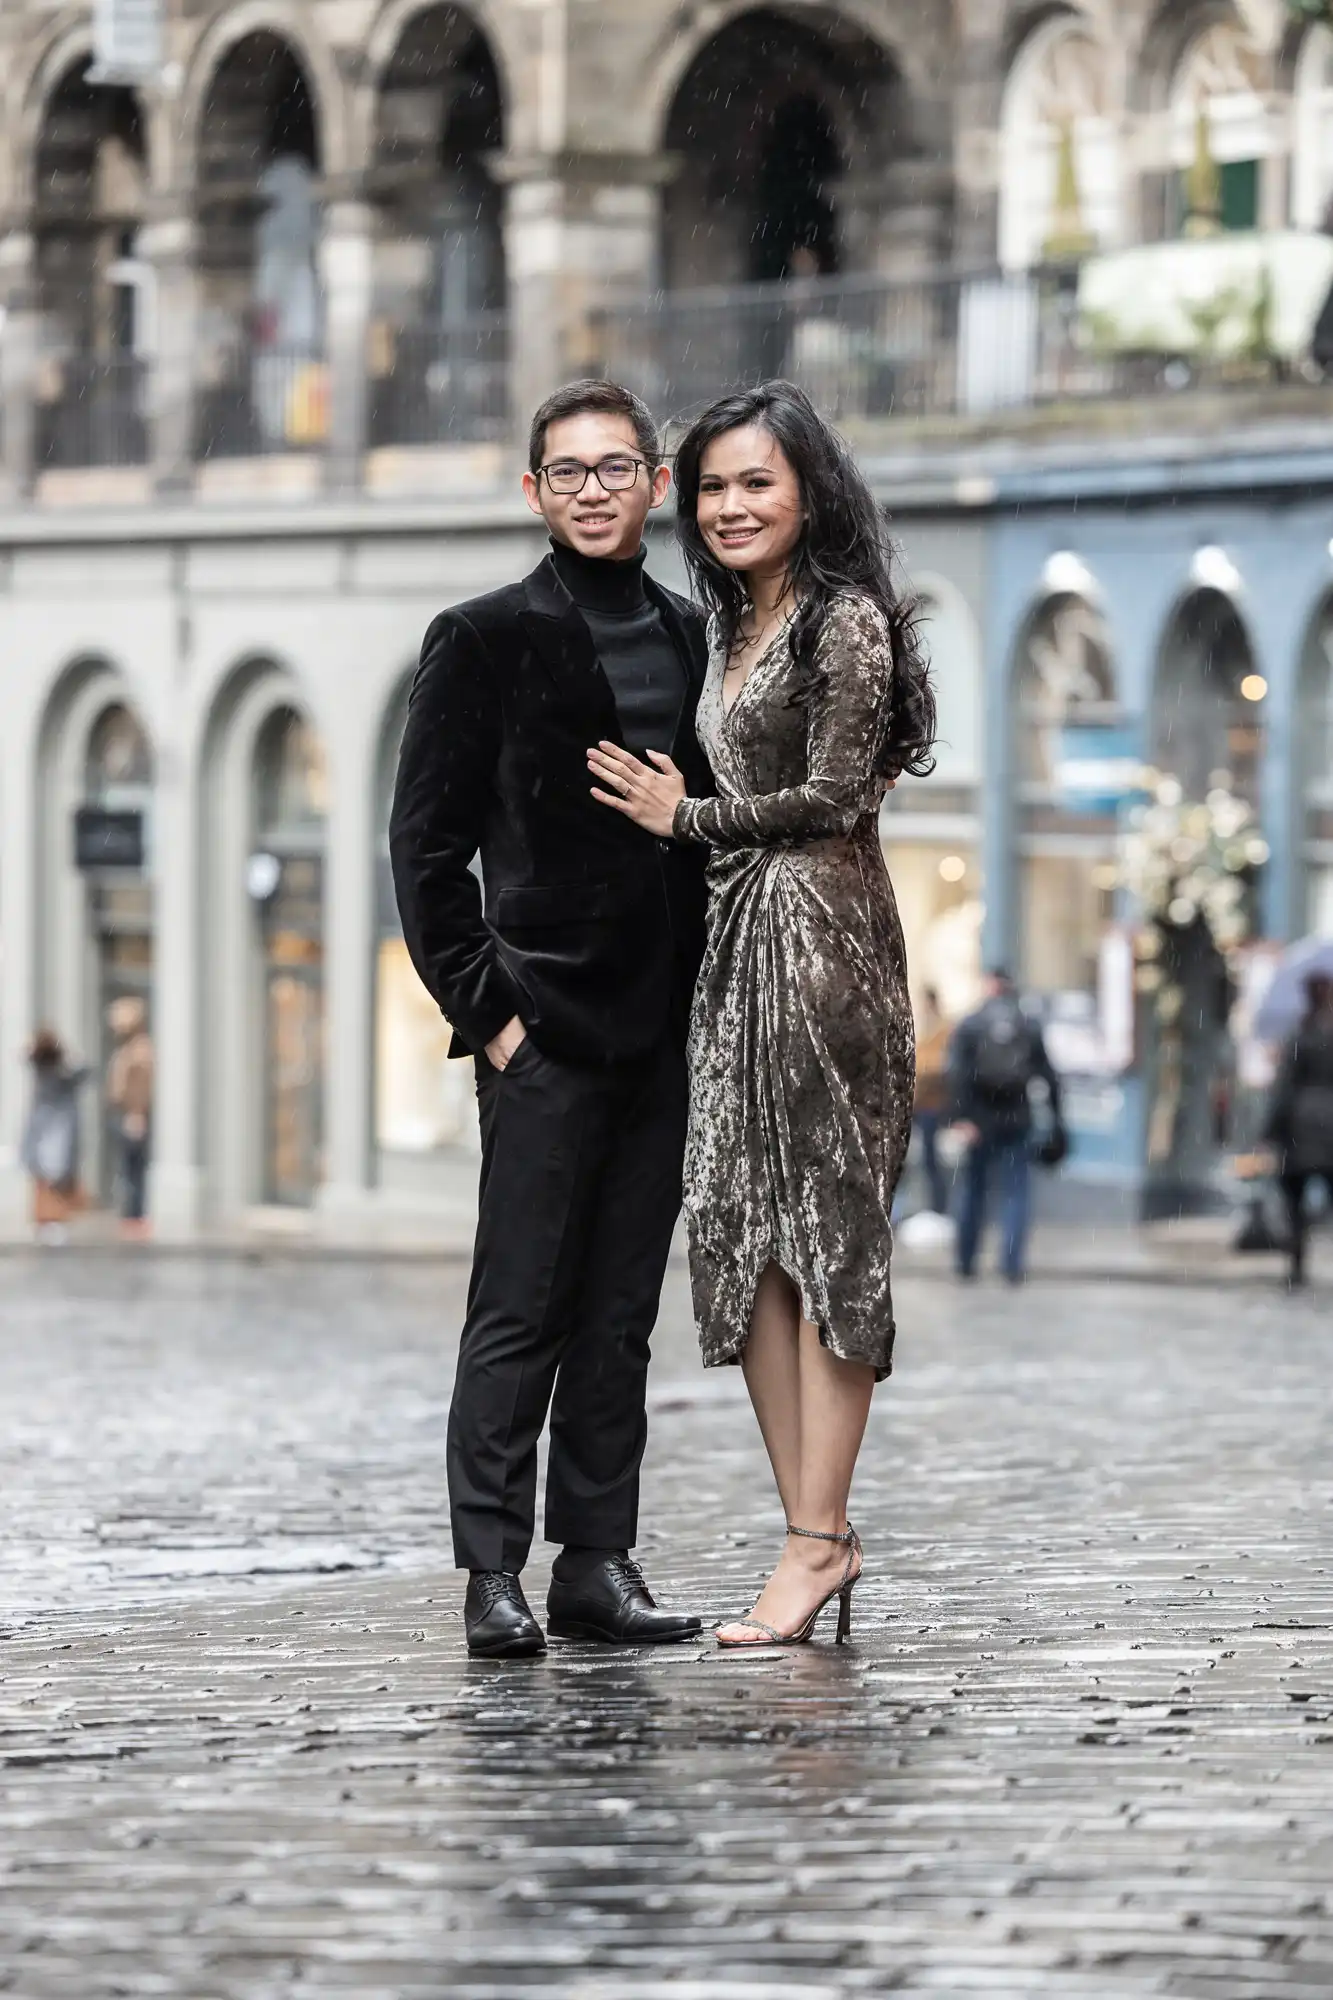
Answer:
[(168, 244), (348, 967), (346, 274), (18, 358), (895, 219), (175, 1193), (580, 230), (18, 987)]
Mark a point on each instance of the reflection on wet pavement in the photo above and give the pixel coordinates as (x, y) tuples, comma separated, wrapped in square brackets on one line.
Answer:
[(1082, 1743)]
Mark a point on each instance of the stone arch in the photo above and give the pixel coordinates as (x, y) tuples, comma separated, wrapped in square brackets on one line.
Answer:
[(801, 185), (438, 119), (94, 941), (293, 28), (397, 16), (1060, 167), (89, 189), (894, 30)]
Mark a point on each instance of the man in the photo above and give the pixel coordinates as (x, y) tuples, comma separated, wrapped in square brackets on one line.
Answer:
[(129, 1094), (997, 1054), (568, 977)]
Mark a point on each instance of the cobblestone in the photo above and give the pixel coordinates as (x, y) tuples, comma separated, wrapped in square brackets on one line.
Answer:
[(1081, 1744)]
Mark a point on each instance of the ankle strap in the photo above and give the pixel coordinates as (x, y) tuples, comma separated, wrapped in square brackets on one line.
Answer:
[(819, 1535)]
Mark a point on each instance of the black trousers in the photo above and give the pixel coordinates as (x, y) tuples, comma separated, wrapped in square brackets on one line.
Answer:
[(580, 1189), (1294, 1185)]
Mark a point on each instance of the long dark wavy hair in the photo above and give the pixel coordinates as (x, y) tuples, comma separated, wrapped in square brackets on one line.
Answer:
[(844, 550)]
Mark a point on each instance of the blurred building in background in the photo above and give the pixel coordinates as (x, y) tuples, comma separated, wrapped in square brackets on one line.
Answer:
[(280, 280)]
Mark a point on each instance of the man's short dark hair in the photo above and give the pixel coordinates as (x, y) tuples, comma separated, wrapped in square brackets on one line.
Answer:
[(603, 399)]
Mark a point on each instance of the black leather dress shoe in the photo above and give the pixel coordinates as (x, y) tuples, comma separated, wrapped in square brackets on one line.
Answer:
[(609, 1600), (498, 1621)]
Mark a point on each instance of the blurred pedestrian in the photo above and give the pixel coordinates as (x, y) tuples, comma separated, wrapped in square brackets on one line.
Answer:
[(997, 1055), (817, 697), (931, 1103), (1300, 1115), (129, 1092), (50, 1149)]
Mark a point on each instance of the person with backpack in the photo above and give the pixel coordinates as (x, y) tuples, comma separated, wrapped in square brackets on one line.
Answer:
[(996, 1056)]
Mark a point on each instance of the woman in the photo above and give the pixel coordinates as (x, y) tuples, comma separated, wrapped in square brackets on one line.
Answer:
[(51, 1137), (801, 1039), (1300, 1115)]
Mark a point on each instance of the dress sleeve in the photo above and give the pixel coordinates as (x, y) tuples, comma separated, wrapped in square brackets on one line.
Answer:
[(848, 716)]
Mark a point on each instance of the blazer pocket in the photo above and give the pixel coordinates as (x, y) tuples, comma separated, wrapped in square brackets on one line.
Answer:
[(538, 908)]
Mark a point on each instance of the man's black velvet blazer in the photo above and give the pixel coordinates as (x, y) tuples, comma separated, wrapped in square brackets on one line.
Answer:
[(590, 930)]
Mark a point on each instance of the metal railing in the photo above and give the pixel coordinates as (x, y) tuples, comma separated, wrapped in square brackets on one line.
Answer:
[(953, 345), (255, 400), (442, 384), (91, 411)]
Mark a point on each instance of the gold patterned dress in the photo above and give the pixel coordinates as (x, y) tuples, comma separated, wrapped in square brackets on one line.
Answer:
[(801, 1049)]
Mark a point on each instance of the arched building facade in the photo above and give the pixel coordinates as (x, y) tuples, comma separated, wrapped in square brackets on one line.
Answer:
[(273, 320)]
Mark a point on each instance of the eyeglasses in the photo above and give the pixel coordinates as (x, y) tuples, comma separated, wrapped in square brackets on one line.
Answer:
[(570, 475)]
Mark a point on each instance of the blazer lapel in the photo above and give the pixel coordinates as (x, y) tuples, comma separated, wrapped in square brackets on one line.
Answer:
[(693, 655), (564, 645)]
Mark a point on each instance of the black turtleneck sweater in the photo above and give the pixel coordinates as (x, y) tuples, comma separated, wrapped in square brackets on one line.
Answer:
[(633, 645)]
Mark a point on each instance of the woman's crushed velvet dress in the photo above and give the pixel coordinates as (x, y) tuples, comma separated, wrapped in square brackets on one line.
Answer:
[(801, 1049)]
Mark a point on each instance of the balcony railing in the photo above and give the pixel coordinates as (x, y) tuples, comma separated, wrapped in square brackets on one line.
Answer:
[(255, 400), (1152, 323), (446, 384), (955, 345), (91, 411)]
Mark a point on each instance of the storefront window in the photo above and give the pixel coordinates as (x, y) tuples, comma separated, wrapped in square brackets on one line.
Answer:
[(423, 1101), (291, 800), (1316, 738), (929, 826), (1067, 715), (938, 889)]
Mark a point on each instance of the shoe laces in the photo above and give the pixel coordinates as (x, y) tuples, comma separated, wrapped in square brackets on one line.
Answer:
[(493, 1584), (629, 1571)]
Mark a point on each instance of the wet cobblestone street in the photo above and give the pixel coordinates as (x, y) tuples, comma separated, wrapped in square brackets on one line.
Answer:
[(1081, 1744)]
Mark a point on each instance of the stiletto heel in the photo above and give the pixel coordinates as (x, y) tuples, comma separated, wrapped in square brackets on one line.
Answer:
[(842, 1590)]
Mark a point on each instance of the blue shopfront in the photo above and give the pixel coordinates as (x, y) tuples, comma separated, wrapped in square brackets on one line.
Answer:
[(1174, 613)]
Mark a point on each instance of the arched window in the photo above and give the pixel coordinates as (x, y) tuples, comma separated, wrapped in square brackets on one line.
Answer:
[(291, 781), (1312, 165), (782, 135), (119, 769), (1207, 723), (1218, 92), (1060, 168), (1066, 715), (95, 295), (261, 318), (438, 346), (286, 881)]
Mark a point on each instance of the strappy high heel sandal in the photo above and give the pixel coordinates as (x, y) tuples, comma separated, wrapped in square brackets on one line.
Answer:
[(842, 1590)]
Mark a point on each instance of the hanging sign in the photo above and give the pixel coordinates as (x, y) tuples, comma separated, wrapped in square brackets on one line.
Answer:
[(107, 839), (127, 41)]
